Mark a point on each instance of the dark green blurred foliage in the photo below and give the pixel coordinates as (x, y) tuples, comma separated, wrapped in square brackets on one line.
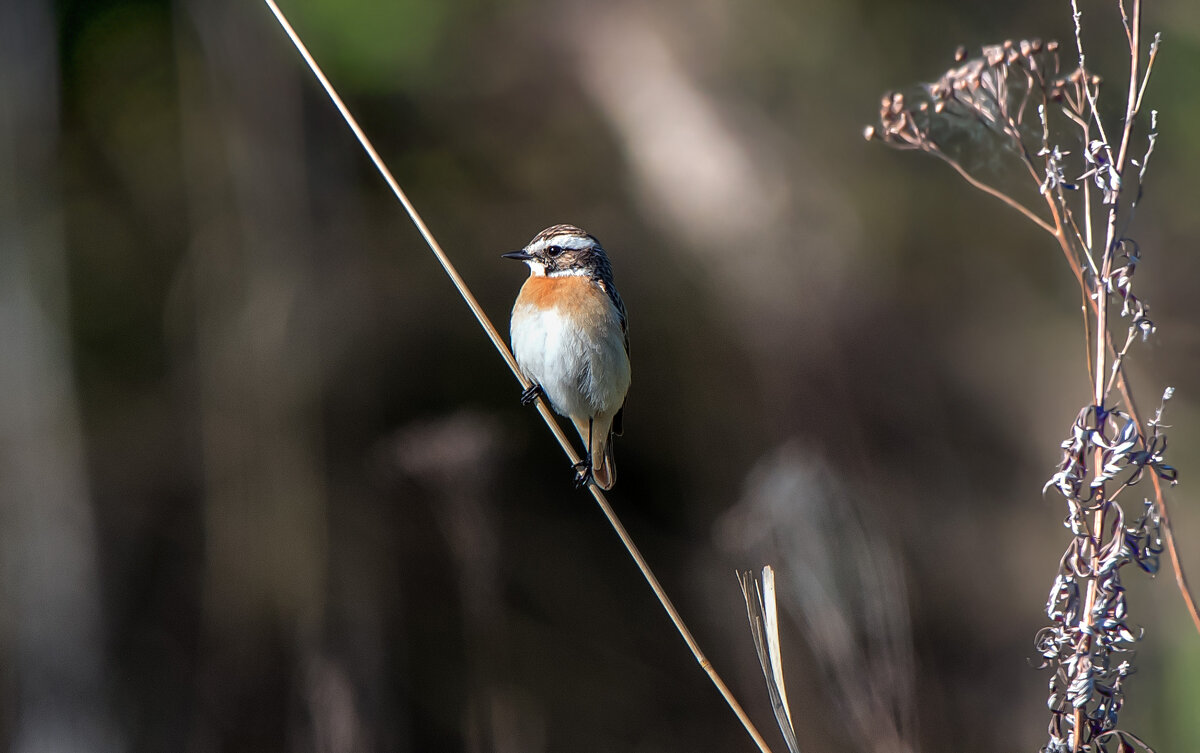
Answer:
[(308, 513), (383, 47)]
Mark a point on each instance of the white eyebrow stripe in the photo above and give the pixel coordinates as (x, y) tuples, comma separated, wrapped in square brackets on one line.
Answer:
[(571, 242)]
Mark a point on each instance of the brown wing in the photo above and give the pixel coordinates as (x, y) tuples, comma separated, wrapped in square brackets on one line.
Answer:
[(604, 280), (603, 277)]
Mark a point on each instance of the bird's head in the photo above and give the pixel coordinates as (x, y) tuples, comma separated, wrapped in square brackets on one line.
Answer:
[(562, 250)]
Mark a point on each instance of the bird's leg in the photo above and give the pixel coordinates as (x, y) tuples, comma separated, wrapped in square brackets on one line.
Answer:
[(583, 469), (531, 395), (583, 473)]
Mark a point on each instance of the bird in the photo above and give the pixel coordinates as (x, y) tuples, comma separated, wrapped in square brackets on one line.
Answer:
[(570, 338)]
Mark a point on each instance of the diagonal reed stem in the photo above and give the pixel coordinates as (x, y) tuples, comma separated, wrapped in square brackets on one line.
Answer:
[(507, 355)]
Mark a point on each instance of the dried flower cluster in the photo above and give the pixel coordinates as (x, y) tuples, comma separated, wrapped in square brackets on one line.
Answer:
[(1021, 94), (978, 88), (1045, 117)]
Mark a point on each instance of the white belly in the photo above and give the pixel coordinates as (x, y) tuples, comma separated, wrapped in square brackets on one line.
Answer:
[(584, 372)]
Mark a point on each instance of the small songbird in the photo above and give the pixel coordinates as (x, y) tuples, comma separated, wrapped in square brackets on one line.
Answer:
[(569, 337)]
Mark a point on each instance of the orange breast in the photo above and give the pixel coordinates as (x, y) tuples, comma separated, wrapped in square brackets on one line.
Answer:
[(574, 296)]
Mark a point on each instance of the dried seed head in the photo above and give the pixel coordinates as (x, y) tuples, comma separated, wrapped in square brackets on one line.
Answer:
[(869, 133), (1026, 48), (1008, 44), (1052, 45), (1035, 45), (1096, 80), (960, 54)]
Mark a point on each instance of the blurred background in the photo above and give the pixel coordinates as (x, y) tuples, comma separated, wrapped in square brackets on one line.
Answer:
[(265, 486)]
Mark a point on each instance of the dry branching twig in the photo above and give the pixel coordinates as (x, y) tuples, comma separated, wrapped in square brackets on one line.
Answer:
[(1019, 99)]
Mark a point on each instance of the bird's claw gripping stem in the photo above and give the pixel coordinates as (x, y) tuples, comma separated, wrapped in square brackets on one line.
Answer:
[(583, 473), (529, 396)]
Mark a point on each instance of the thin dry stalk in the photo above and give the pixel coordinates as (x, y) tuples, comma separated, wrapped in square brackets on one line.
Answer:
[(542, 408), (763, 614)]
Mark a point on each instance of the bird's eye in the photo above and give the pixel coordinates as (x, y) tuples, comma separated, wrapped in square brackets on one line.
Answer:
[(554, 251)]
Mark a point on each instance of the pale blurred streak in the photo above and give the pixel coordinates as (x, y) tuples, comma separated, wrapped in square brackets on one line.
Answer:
[(711, 168), (690, 164), (337, 726), (51, 644), (257, 350), (454, 461), (841, 581)]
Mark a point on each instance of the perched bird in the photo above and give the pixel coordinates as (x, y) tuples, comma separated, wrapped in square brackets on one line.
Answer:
[(569, 337)]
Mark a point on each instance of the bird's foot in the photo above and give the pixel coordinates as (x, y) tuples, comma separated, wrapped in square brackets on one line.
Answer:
[(583, 473), (531, 395)]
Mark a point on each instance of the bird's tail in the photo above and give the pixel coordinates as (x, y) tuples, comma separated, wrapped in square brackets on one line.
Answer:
[(598, 434), (604, 465)]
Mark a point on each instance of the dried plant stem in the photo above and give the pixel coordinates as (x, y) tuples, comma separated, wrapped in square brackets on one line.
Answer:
[(1101, 332), (1161, 501), (1091, 96), (1103, 340), (1088, 642), (542, 408), (1146, 76), (1098, 527), (1159, 495), (1121, 383), (995, 192), (900, 130), (1131, 104)]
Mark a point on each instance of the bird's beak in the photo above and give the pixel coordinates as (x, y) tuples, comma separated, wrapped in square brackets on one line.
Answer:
[(521, 255)]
